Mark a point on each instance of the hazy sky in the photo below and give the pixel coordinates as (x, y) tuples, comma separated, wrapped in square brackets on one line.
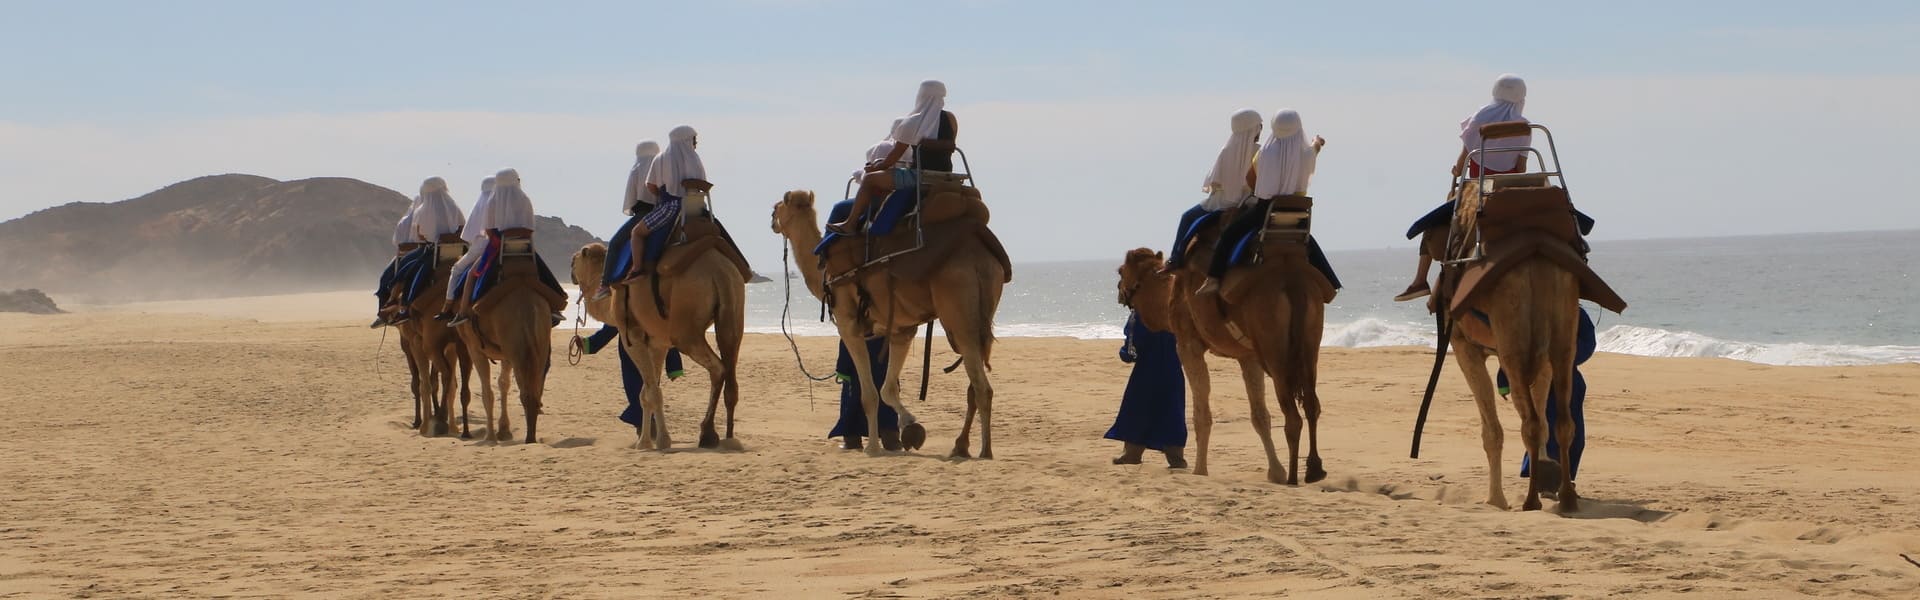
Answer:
[(1089, 124)]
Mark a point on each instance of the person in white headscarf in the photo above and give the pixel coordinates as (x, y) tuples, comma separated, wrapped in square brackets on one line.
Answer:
[(879, 151), (1502, 156), (404, 242), (639, 201), (475, 235), (929, 131), (1283, 167), (509, 208), (670, 178), (435, 219), (1227, 185)]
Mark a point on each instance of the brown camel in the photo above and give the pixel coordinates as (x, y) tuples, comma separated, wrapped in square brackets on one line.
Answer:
[(435, 351), (1268, 317), (708, 290), (962, 292), (1530, 308), (512, 324)]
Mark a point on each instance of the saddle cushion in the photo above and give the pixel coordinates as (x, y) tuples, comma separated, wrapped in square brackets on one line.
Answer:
[(950, 202)]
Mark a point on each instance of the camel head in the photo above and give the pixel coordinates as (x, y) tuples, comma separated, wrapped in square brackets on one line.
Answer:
[(1142, 266), (586, 267), (794, 209)]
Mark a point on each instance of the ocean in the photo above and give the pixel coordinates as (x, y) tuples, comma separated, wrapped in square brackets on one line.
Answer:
[(1803, 299)]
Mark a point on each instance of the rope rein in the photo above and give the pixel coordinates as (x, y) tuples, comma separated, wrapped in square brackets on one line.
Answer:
[(786, 312), (577, 348)]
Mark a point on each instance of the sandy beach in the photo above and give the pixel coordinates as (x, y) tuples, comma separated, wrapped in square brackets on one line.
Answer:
[(258, 447)]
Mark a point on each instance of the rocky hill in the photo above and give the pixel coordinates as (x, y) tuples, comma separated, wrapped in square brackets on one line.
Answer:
[(222, 235)]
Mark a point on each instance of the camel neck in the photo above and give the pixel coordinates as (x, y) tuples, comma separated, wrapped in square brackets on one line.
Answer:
[(1154, 303), (803, 236)]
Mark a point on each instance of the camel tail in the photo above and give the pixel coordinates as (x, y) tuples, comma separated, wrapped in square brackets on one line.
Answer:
[(1302, 345), (729, 322)]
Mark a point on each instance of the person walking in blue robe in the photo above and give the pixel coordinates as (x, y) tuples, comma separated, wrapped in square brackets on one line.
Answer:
[(853, 417), (1153, 412), (630, 378)]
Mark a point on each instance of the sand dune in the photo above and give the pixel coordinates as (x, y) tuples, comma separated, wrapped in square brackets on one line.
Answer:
[(152, 451)]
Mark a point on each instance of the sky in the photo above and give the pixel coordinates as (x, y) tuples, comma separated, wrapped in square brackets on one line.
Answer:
[(1088, 125)]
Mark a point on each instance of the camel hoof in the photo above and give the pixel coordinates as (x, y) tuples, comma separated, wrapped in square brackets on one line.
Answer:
[(1200, 470), (873, 448), (709, 439), (1126, 460), (440, 429), (1545, 477), (503, 436), (416, 423), (890, 440), (960, 451), (466, 435), (912, 437), (1500, 503), (986, 454), (851, 442), (1176, 461), (1315, 470), (663, 443), (1532, 503), (1569, 499), (1277, 476)]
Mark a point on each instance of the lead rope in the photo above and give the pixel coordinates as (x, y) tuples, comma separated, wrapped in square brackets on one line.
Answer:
[(577, 348), (786, 311)]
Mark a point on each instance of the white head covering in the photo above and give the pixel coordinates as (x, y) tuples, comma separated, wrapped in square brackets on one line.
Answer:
[(434, 211), (1226, 183), (636, 178), (924, 122), (1286, 161), (678, 164), (1509, 101), (482, 214), (508, 206)]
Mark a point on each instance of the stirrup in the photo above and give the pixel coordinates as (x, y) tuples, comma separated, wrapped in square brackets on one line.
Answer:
[(459, 320), (605, 292), (378, 322)]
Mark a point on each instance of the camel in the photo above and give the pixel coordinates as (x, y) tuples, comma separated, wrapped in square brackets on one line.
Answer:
[(1531, 320), (1279, 312), (434, 352), (513, 325), (708, 291), (962, 291)]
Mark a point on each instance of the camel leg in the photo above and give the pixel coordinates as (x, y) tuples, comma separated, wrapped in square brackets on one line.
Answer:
[(854, 338), (443, 367), (1529, 400), (413, 382), (1473, 366), (502, 386), (1256, 381), (700, 353), (485, 368), (1193, 360), (1562, 398), (980, 395), (533, 386), (899, 349), (466, 393), (960, 445), (1308, 385), (1286, 392), (653, 399)]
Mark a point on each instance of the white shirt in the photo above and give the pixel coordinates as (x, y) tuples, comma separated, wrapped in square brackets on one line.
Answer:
[(482, 216)]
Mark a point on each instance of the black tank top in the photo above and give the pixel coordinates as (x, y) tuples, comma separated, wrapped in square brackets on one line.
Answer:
[(939, 160)]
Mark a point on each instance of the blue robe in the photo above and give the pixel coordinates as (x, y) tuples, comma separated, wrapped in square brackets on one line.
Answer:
[(630, 378), (1583, 350), (853, 417), (1153, 413)]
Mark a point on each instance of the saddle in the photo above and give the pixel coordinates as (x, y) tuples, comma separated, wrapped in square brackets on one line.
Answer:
[(951, 214), (1516, 221), (695, 236), (1276, 251)]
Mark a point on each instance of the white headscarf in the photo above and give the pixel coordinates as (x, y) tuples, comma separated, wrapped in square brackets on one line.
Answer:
[(1226, 184), (678, 164), (509, 207), (1286, 161), (1509, 101), (636, 178), (435, 213), (481, 214), (924, 122)]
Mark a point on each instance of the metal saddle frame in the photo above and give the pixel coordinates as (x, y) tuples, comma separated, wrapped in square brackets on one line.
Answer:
[(1487, 182)]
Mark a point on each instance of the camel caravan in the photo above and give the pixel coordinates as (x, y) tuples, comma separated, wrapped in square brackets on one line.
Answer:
[(909, 244)]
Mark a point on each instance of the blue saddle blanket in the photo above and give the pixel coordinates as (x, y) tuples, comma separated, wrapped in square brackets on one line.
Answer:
[(897, 205)]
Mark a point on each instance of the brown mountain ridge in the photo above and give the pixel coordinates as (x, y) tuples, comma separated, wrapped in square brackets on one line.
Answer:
[(223, 235)]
